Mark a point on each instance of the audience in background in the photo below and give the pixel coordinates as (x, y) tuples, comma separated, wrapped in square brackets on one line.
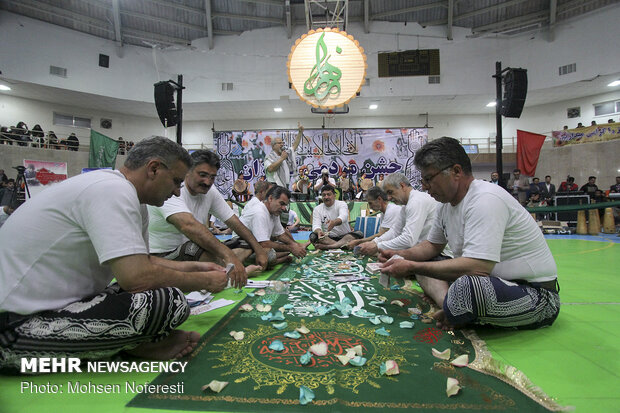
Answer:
[(590, 187), (547, 190), (569, 185), (494, 178), (518, 186), (616, 187)]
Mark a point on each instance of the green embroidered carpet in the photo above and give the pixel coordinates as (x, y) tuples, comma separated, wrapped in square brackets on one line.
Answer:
[(339, 314)]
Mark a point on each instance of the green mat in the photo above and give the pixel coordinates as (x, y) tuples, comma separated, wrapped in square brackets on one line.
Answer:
[(264, 378)]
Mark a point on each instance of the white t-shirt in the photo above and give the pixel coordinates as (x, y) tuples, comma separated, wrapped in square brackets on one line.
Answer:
[(321, 214), (417, 217), (53, 247), (163, 236), (261, 223), (252, 202), (392, 217), (292, 217), (490, 224)]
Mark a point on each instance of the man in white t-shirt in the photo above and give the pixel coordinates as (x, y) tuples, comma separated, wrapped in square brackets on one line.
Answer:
[(502, 273), (330, 222), (281, 160), (178, 229), (392, 219), (263, 219), (293, 221), (60, 250), (417, 215), (323, 180)]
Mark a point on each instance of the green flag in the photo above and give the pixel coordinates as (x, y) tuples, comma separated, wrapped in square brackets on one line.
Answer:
[(103, 151)]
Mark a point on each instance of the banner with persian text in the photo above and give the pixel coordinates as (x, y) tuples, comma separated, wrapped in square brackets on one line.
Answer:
[(594, 133), (41, 174), (375, 152)]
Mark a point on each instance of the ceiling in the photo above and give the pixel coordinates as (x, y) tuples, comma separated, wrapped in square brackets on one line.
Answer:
[(147, 23)]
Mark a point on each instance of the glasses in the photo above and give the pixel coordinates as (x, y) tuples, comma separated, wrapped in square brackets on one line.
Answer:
[(208, 175), (426, 180)]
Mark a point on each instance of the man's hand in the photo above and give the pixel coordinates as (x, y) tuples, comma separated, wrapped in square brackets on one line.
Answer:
[(262, 258), (398, 268), (319, 232), (284, 155), (300, 128), (354, 243), (217, 281), (331, 224), (298, 250), (385, 255), (369, 248), (202, 266), (238, 277)]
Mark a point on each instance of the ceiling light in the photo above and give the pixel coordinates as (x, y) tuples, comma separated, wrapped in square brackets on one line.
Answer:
[(373, 106), (277, 109), (4, 87), (491, 104), (614, 83)]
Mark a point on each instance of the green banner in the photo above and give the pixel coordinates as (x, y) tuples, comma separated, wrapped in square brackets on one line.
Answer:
[(103, 151), (340, 315)]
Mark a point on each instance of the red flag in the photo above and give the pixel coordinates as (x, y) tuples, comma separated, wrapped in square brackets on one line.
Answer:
[(528, 151)]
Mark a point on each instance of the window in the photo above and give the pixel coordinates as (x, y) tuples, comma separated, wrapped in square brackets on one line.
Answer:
[(70, 120), (607, 108)]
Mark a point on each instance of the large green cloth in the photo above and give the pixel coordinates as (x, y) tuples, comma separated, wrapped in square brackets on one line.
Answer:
[(339, 314), (103, 151)]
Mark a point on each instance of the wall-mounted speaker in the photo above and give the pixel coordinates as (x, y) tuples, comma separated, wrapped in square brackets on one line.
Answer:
[(164, 102), (515, 90)]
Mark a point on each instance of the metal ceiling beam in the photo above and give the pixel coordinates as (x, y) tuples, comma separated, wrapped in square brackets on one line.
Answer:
[(250, 18), (162, 20), (117, 22), (366, 16), (553, 10), (62, 13), (489, 9), (512, 24), (441, 3), (178, 6), (287, 17), (450, 18), (575, 4), (209, 20), (153, 37)]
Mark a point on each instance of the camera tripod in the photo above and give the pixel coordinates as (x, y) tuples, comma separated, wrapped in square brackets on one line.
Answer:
[(19, 194)]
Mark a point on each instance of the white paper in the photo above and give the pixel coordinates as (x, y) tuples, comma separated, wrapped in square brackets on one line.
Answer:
[(222, 302)]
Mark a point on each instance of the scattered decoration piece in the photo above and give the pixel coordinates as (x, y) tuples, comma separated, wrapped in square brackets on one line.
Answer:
[(344, 359), (452, 386), (426, 320), (395, 287), (246, 307), (382, 332), (277, 316), (414, 310), (319, 349), (287, 306), (305, 358), (263, 308), (460, 361), (389, 368), (292, 334), (444, 355), (237, 335), (260, 292), (276, 345), (249, 294), (358, 350), (280, 326), (375, 320), (303, 329), (266, 317), (305, 395), (386, 319), (406, 324), (267, 300), (215, 386), (358, 361), (398, 303)]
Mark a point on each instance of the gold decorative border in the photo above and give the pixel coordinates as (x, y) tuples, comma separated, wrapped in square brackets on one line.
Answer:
[(319, 30), (486, 364)]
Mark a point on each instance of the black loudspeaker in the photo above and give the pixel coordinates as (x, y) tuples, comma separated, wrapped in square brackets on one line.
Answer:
[(515, 90), (104, 60), (164, 102)]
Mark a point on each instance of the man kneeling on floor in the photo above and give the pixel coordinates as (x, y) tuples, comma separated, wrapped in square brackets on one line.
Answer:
[(330, 222), (177, 229), (502, 274), (263, 219), (60, 250)]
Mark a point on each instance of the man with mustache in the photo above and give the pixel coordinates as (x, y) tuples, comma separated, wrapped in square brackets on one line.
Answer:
[(60, 251), (178, 231)]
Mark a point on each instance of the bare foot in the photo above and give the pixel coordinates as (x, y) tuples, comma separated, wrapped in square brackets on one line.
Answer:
[(179, 343), (442, 322), (253, 270)]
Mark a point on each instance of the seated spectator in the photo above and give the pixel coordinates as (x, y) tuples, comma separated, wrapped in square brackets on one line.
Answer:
[(590, 187), (579, 125), (615, 188), (569, 185), (301, 188), (599, 197), (535, 201), (121, 146), (38, 135), (240, 188), (3, 177), (330, 222), (5, 136), (6, 193), (293, 221), (325, 179), (21, 134), (52, 140), (72, 143)]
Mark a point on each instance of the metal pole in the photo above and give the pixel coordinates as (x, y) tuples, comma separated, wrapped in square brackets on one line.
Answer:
[(498, 123), (180, 110)]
